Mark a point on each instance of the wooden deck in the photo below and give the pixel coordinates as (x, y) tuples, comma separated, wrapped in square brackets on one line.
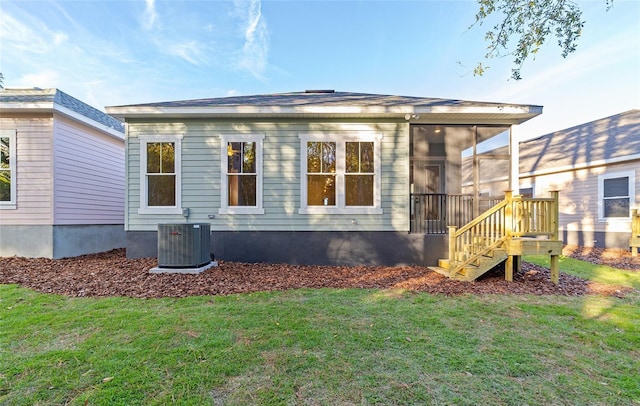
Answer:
[(514, 227)]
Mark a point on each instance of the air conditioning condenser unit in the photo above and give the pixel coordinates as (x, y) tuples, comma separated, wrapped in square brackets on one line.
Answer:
[(184, 245)]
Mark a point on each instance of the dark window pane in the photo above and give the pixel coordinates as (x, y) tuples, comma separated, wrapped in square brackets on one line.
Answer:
[(168, 157), (359, 157), (321, 157), (321, 190), (366, 157), (242, 190), (526, 192), (249, 158), (5, 186), (616, 187), (352, 157), (153, 157), (162, 190), (359, 190), (328, 157), (314, 152), (616, 207), (4, 153), (234, 157)]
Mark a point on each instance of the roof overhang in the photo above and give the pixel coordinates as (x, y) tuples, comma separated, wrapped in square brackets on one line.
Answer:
[(493, 114), (51, 108)]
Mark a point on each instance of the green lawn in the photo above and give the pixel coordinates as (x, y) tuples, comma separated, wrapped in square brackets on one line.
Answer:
[(586, 270), (321, 347)]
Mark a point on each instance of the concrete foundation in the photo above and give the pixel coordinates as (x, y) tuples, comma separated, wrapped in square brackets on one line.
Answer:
[(59, 241), (311, 248), (597, 239)]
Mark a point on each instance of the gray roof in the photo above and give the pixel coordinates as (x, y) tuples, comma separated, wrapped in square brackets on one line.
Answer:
[(317, 98), (17, 99), (610, 139), (334, 104)]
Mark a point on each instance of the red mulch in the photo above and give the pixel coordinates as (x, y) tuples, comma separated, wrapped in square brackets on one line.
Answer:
[(112, 274)]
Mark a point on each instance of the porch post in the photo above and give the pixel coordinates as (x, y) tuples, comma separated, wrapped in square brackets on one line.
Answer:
[(476, 174), (514, 163), (508, 228)]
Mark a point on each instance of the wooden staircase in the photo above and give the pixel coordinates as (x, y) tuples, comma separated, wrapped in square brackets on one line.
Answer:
[(516, 226), (476, 268)]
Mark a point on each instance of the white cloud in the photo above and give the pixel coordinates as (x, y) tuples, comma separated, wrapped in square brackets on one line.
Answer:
[(190, 51), (43, 79), (254, 53), (150, 16), (15, 34), (59, 38)]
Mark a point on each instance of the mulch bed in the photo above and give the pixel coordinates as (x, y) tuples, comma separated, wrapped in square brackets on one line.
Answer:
[(112, 274)]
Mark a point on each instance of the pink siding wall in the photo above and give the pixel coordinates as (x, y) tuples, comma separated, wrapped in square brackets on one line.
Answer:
[(89, 177), (33, 171)]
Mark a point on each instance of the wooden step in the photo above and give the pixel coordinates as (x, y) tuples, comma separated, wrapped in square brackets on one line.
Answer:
[(478, 267), (443, 263), (440, 270)]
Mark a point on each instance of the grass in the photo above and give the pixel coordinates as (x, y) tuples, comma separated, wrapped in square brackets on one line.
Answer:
[(586, 270), (320, 347)]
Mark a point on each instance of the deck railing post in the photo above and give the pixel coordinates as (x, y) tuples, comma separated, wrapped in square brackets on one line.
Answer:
[(555, 214), (634, 241), (508, 213), (452, 247)]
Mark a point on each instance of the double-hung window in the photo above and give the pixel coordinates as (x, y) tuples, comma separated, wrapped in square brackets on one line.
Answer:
[(241, 171), (160, 180), (340, 173), (7, 169), (616, 196)]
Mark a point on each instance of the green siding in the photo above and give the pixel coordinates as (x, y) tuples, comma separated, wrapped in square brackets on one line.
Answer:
[(281, 176)]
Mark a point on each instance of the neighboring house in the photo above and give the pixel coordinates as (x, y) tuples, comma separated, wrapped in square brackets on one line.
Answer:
[(596, 168), (62, 177), (314, 177)]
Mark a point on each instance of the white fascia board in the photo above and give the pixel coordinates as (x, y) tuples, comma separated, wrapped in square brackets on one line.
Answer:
[(520, 113), (585, 165), (20, 107), (51, 107), (86, 120), (496, 109)]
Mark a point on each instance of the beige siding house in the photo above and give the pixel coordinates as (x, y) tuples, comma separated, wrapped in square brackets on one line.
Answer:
[(320, 177), (62, 176), (596, 168)]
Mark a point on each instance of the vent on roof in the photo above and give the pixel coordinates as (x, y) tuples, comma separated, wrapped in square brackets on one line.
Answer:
[(320, 91)]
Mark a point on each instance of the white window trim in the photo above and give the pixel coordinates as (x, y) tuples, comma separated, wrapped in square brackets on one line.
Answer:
[(632, 194), (11, 204), (144, 208), (341, 138), (224, 192)]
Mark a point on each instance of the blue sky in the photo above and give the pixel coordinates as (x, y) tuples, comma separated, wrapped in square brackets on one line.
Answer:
[(135, 51)]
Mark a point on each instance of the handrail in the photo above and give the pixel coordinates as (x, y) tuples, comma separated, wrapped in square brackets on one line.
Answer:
[(513, 217), (535, 216), (484, 215)]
